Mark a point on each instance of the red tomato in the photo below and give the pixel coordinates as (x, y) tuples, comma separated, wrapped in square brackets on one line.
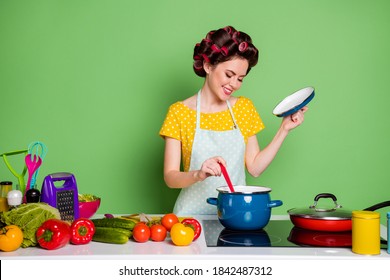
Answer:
[(141, 232), (168, 220), (158, 232)]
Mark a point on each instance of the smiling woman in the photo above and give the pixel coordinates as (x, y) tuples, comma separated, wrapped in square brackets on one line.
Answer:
[(191, 129)]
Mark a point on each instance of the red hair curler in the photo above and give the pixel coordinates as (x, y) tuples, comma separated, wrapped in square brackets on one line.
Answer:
[(224, 51), (205, 57), (215, 48), (242, 47)]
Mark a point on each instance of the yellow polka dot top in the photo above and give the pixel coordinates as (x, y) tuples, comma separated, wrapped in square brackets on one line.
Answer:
[(180, 123)]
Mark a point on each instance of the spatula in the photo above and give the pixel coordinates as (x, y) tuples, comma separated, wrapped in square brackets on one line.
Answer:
[(227, 178)]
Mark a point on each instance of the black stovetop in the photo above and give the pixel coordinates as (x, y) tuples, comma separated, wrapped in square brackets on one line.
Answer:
[(278, 233)]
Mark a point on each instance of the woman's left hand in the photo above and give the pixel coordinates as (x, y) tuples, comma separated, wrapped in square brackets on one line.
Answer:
[(292, 121)]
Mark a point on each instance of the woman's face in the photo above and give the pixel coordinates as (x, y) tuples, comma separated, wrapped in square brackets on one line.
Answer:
[(225, 78)]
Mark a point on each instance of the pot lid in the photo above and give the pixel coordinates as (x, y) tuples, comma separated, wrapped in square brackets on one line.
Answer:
[(314, 212)]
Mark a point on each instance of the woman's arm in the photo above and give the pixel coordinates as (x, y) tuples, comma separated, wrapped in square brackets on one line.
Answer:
[(175, 178), (258, 160)]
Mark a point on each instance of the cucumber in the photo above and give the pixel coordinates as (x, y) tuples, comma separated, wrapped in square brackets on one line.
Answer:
[(111, 235), (127, 232), (114, 223)]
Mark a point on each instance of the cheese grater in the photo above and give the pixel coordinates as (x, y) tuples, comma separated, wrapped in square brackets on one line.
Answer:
[(64, 197)]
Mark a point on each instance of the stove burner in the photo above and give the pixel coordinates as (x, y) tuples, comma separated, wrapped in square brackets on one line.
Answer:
[(259, 238), (278, 233), (273, 235)]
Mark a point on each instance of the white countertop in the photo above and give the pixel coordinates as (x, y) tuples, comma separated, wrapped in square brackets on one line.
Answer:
[(197, 250)]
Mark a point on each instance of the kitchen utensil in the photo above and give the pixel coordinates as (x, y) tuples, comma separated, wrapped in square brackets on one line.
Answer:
[(248, 208), (227, 178), (37, 148), (63, 197), (294, 102), (33, 162), (329, 219), (20, 176), (88, 208)]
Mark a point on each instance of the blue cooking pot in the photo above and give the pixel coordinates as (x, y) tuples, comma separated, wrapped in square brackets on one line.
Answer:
[(247, 208)]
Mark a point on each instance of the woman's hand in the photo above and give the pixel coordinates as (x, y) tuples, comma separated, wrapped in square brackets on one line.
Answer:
[(210, 167), (292, 121)]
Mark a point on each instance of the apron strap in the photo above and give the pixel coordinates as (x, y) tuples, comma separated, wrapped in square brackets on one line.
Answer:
[(198, 112)]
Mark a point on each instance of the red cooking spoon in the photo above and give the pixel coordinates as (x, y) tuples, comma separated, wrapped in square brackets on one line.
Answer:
[(227, 178)]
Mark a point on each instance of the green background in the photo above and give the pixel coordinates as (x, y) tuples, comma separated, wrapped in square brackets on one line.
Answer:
[(93, 80)]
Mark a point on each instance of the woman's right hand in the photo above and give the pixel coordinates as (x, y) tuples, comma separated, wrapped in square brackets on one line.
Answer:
[(210, 167)]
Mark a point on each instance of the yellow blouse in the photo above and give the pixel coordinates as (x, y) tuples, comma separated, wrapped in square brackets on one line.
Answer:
[(180, 123)]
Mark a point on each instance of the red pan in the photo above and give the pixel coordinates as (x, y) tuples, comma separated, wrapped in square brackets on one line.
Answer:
[(305, 237), (334, 219)]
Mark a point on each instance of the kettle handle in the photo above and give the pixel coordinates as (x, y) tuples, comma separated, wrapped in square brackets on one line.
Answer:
[(212, 200)]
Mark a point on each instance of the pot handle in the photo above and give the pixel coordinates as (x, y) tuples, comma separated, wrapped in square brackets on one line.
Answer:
[(212, 200), (274, 203), (378, 206)]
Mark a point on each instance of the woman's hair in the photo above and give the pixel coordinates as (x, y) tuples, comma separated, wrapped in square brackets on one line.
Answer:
[(222, 45)]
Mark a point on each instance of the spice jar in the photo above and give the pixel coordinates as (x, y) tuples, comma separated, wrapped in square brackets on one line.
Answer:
[(366, 238), (5, 186)]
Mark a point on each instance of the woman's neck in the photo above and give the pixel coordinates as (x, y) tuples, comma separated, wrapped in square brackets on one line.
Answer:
[(210, 103)]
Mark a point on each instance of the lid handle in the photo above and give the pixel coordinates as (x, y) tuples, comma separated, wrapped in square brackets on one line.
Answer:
[(325, 195)]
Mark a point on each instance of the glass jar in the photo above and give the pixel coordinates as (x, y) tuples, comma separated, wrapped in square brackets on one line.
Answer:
[(5, 186)]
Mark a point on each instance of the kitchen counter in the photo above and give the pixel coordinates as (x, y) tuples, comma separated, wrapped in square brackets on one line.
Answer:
[(197, 250)]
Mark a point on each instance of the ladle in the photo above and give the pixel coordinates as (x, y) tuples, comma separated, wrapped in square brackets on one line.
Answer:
[(33, 162), (227, 178)]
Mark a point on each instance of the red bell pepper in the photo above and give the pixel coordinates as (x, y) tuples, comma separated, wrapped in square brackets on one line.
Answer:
[(195, 226), (82, 231), (53, 234)]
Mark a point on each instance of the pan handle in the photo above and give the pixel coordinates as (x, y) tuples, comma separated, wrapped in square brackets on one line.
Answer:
[(378, 206)]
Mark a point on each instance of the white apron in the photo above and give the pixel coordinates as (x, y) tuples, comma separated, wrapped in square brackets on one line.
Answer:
[(230, 145)]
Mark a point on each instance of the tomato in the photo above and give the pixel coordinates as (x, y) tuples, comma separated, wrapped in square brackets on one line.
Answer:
[(11, 238), (141, 232), (182, 235), (195, 225), (158, 232), (168, 220)]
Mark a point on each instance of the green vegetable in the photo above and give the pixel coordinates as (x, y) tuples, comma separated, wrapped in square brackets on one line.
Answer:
[(127, 232), (111, 235), (114, 223), (87, 197), (29, 217)]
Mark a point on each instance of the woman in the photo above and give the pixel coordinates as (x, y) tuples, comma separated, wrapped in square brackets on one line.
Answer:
[(214, 127)]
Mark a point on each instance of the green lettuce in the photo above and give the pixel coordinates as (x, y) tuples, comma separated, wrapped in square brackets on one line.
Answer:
[(29, 217)]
